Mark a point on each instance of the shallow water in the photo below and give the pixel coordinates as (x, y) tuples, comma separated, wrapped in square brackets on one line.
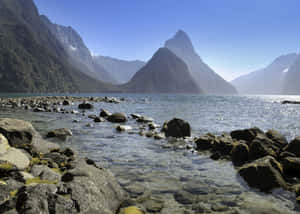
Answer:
[(140, 161)]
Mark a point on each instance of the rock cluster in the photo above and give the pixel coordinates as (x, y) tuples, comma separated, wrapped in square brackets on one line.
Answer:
[(264, 160), (37, 176)]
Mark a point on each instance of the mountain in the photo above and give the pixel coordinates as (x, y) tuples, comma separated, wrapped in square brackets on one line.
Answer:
[(80, 55), (121, 70), (164, 73), (268, 80), (31, 58), (205, 77), (291, 84)]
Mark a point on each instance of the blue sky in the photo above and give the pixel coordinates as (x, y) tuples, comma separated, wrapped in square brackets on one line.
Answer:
[(234, 37)]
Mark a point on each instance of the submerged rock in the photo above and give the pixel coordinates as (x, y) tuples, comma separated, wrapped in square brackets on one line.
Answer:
[(264, 174), (60, 133), (117, 118), (122, 128), (177, 128)]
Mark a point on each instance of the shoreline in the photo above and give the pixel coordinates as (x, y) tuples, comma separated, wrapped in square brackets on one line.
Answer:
[(215, 144)]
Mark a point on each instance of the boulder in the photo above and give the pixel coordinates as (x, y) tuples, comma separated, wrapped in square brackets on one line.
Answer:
[(85, 105), (136, 116), (279, 140), (223, 145), (291, 165), (153, 125), (177, 128), (240, 154), (144, 119), (246, 134), (66, 102), (104, 113), (95, 190), (264, 174), (205, 142), (262, 146), (294, 147), (60, 133), (122, 128), (117, 118), (99, 119), (12, 155)]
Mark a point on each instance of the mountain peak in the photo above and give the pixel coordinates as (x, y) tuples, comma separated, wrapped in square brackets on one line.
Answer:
[(180, 40)]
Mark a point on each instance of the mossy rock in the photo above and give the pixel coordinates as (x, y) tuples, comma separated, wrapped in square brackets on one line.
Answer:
[(132, 210), (37, 180)]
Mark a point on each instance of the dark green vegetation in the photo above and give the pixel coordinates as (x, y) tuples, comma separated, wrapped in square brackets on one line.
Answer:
[(31, 58), (164, 73)]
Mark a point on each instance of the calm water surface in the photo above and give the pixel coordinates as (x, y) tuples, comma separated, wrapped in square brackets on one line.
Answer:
[(142, 161)]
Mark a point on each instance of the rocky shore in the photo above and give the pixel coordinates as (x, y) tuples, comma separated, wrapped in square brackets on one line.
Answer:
[(265, 160)]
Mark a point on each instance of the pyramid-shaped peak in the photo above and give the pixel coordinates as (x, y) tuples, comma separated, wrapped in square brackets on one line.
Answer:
[(181, 41)]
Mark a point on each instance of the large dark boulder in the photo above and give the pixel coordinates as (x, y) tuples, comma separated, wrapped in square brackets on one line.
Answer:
[(240, 154), (264, 174), (85, 105), (262, 146), (177, 128), (279, 140), (117, 118), (294, 147), (205, 142), (223, 145), (246, 134), (291, 166)]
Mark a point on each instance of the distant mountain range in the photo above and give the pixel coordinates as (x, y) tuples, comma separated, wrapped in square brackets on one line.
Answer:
[(37, 55), (121, 70), (164, 73), (204, 76), (276, 78)]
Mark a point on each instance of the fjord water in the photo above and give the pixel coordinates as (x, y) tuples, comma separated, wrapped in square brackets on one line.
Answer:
[(142, 162)]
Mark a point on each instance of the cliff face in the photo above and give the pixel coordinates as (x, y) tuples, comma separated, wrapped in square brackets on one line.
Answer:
[(204, 76), (79, 54), (31, 58), (164, 73)]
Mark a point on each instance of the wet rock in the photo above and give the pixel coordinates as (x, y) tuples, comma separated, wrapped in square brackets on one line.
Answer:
[(74, 112), (216, 155), (45, 173), (290, 102), (264, 174), (153, 205), (286, 154), (99, 120), (92, 116), (149, 134), (184, 197), (279, 140), (89, 125), (39, 110), (136, 116), (240, 153), (294, 147), (60, 133), (176, 128), (135, 189), (85, 105), (122, 128), (117, 118), (291, 165), (262, 146), (144, 119), (246, 134), (223, 145), (205, 142), (219, 208), (104, 113), (153, 126), (159, 136), (66, 102)]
